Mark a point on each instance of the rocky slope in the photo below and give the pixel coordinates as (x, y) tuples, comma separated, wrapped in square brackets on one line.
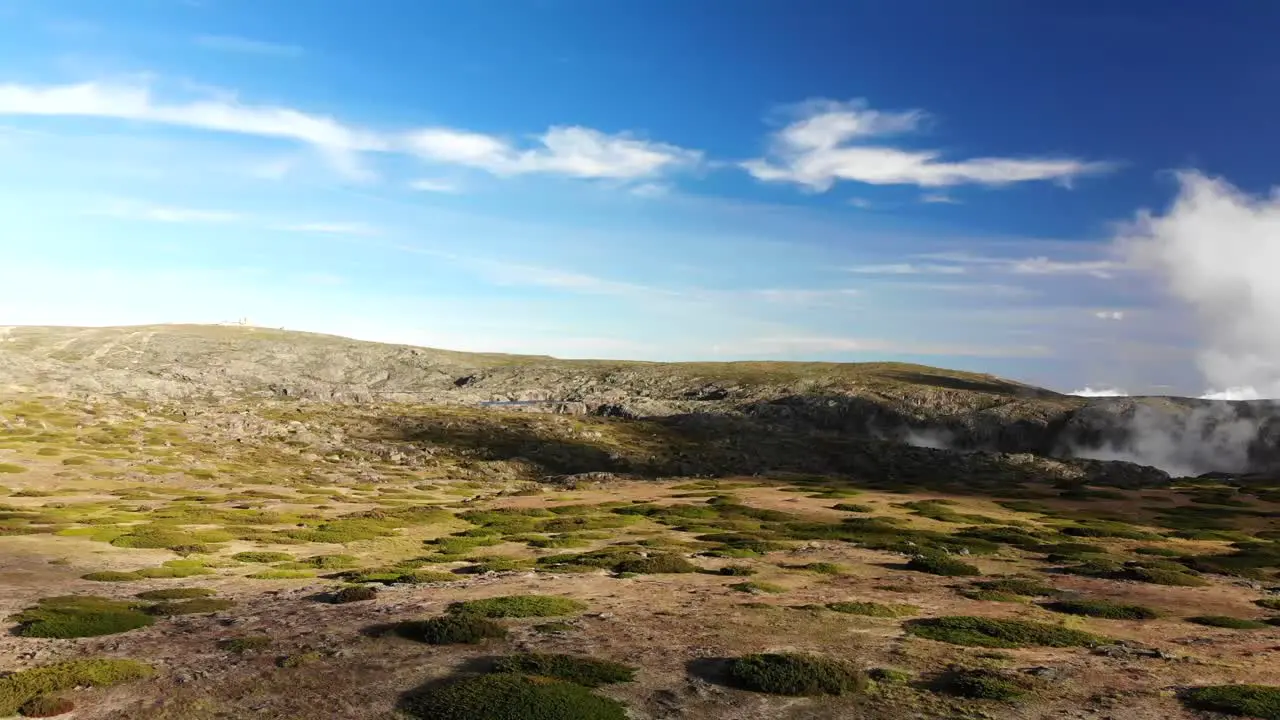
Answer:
[(917, 405)]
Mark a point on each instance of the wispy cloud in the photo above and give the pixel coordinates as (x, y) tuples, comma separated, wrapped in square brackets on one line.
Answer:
[(434, 185), (332, 228), (1099, 392), (235, 44), (1109, 314), (1037, 265), (938, 199), (909, 269), (573, 151), (134, 210), (818, 149), (561, 150), (823, 344)]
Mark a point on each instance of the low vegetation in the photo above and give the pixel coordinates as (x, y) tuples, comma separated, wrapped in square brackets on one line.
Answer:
[(353, 593), (1103, 609), (23, 686), (43, 706), (190, 607), (519, 606), (1255, 701), (506, 696), (465, 629), (584, 671), (1226, 621), (937, 564), (76, 616), (874, 609), (795, 674), (998, 633), (984, 684), (175, 594)]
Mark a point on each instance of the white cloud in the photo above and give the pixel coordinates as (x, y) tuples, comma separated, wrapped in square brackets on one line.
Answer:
[(434, 185), (234, 44), (938, 199), (815, 151), (1109, 314), (908, 269), (651, 190), (860, 203), (1217, 251), (573, 151), (1235, 393), (1099, 392), (133, 210)]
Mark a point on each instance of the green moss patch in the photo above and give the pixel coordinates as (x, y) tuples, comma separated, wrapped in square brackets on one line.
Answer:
[(874, 609), (584, 671), (176, 594), (190, 607), (795, 674), (757, 587), (1256, 701), (519, 606), (1103, 609), (506, 696), (74, 616), (46, 706), (998, 633), (260, 556), (1029, 587), (24, 686)]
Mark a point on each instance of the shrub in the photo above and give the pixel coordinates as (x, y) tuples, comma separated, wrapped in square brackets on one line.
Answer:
[(853, 507), (175, 594), (736, 571), (505, 696), (331, 562), (74, 616), (452, 630), (519, 606), (795, 674), (190, 607), (584, 671), (1103, 609), (46, 706), (983, 684), (942, 565), (822, 568), (874, 609), (1258, 701), (757, 587), (355, 593), (1268, 603), (1225, 621), (890, 676), (111, 576), (655, 564), (22, 686), (1029, 587), (261, 556), (998, 633), (248, 643)]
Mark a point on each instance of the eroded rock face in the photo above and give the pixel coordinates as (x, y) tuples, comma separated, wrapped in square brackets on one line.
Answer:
[(927, 408)]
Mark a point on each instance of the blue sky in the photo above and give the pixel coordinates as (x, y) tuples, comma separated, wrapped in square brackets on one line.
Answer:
[(925, 181)]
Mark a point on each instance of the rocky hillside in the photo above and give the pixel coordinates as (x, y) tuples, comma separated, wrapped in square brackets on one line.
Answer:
[(917, 405)]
